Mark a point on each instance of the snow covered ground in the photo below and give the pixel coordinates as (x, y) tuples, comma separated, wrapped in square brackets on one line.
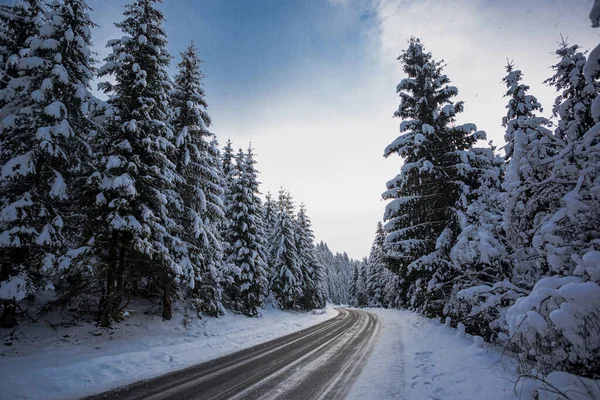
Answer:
[(69, 362), (417, 358)]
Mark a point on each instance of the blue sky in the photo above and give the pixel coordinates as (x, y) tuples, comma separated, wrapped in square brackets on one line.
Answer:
[(285, 75), (252, 48), (312, 83)]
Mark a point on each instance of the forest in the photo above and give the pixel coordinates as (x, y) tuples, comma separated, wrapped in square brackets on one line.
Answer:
[(506, 246), (109, 199), (105, 201)]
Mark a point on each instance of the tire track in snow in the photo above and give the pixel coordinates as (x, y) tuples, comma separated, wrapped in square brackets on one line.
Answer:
[(320, 362)]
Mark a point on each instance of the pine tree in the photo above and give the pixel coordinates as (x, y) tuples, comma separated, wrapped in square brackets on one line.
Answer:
[(245, 235), (558, 234), (312, 270), (564, 304), (361, 297), (227, 162), (376, 270), (480, 255), (228, 172), (202, 193), (338, 270), (134, 238), (284, 264), (44, 144), (270, 214), (529, 146), (421, 219), (18, 23)]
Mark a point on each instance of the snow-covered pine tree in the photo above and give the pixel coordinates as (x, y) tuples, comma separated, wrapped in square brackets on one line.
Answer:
[(197, 162), (556, 326), (358, 285), (270, 214), (228, 175), (133, 239), (284, 264), (338, 270), (376, 270), (353, 287), (482, 291), (558, 233), (246, 251), (422, 223), (18, 23), (44, 146), (393, 295), (227, 162), (325, 257), (362, 299), (312, 270), (529, 148)]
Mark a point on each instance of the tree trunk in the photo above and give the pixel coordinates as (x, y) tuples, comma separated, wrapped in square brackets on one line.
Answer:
[(167, 304), (106, 306), (8, 316), (118, 297)]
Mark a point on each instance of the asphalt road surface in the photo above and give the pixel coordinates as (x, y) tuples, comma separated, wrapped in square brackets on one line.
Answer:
[(320, 362)]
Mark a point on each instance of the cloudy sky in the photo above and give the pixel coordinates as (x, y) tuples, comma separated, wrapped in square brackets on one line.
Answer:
[(311, 83)]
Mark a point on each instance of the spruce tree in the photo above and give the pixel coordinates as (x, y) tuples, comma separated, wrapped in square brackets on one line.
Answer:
[(362, 299), (228, 175), (284, 264), (312, 270), (246, 238), (18, 23), (529, 147), (270, 213), (133, 239), (44, 144), (202, 211), (481, 253), (376, 270), (227, 162), (422, 223), (559, 233)]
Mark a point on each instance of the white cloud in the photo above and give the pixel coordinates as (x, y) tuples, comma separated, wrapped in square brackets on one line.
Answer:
[(321, 132), (476, 37)]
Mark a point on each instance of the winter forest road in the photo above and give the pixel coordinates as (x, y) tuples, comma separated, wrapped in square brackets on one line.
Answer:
[(320, 362)]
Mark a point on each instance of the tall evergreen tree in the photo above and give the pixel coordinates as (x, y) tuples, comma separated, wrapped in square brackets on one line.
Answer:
[(18, 23), (245, 234), (422, 223), (284, 264), (228, 175), (338, 270), (376, 270), (227, 162), (43, 138), (480, 255), (529, 146), (270, 213), (312, 270), (134, 238), (559, 232), (202, 192)]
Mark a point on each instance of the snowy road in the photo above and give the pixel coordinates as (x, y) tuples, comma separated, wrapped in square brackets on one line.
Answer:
[(316, 363)]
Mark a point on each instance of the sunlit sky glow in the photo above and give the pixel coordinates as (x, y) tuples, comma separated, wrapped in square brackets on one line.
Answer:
[(311, 83)]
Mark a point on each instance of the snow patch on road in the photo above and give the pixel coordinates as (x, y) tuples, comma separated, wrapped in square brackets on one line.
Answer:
[(417, 358), (52, 362)]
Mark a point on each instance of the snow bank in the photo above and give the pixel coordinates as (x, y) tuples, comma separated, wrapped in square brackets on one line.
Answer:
[(75, 361), (418, 358)]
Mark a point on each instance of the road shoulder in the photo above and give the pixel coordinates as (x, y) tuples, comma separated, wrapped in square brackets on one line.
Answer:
[(417, 358), (81, 360)]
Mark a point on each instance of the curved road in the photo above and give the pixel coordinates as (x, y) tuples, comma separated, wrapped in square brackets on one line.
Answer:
[(320, 362)]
